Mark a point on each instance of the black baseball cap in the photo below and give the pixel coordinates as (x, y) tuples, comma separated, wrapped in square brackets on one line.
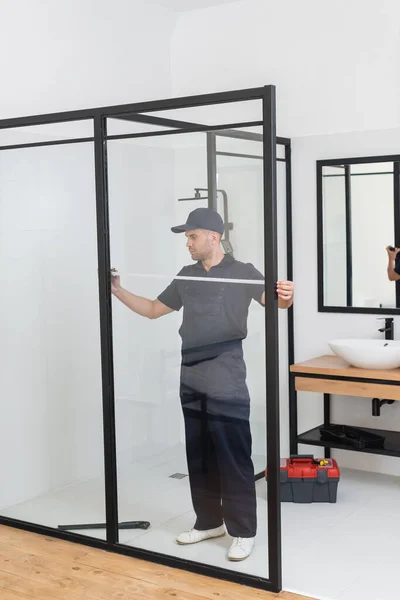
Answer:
[(202, 218)]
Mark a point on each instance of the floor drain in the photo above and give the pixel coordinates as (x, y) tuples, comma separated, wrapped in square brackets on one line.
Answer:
[(178, 476)]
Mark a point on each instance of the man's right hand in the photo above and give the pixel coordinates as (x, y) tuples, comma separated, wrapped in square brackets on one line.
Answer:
[(392, 252)]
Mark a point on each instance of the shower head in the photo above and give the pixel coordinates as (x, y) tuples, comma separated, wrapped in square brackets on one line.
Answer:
[(197, 196)]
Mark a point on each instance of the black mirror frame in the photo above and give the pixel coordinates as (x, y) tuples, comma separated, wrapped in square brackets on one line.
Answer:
[(322, 307)]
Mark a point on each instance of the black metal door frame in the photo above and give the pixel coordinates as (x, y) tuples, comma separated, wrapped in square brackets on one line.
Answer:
[(130, 112)]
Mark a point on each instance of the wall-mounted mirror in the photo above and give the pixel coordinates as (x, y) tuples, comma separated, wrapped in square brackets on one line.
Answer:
[(358, 204)]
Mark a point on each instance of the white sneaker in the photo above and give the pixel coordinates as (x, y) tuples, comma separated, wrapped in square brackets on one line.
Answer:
[(194, 535), (241, 548)]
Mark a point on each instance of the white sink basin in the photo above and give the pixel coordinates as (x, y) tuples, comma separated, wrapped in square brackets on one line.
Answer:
[(368, 354)]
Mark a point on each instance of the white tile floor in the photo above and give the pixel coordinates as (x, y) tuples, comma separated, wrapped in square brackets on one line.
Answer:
[(344, 551)]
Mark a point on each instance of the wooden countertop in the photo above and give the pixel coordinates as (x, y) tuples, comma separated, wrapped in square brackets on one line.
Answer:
[(333, 365)]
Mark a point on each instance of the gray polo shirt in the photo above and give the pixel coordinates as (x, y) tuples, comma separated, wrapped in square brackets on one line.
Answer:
[(214, 312)]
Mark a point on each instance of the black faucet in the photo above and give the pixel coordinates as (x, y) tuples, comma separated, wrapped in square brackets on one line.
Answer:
[(388, 330)]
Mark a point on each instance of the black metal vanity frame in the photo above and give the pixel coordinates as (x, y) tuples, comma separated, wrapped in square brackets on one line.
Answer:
[(312, 436), (346, 162)]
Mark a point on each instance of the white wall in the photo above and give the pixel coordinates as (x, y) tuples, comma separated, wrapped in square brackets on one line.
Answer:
[(335, 65), (313, 329), (57, 55)]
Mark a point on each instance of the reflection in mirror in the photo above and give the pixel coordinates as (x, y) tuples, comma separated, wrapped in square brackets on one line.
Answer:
[(359, 208), (189, 443)]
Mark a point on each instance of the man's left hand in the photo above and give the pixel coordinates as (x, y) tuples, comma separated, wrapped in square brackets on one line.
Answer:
[(285, 291)]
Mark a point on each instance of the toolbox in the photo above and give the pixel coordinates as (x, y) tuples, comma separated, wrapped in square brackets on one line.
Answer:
[(306, 479)]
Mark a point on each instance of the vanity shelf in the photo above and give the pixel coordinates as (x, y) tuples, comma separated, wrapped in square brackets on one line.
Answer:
[(391, 446), (331, 375)]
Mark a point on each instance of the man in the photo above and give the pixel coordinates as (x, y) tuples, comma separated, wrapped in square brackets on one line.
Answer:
[(215, 294)]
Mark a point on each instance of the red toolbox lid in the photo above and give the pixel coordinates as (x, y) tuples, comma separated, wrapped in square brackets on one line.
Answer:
[(307, 467)]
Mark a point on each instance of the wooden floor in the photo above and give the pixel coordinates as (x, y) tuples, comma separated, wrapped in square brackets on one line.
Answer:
[(34, 566)]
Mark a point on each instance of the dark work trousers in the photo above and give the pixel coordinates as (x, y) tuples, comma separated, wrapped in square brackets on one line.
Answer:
[(219, 445)]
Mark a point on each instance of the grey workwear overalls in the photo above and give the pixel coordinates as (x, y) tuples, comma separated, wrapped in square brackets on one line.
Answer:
[(214, 395)]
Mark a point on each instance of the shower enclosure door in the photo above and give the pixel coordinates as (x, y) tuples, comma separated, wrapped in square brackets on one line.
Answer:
[(160, 166)]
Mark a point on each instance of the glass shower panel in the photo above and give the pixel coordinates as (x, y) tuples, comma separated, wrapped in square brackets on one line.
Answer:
[(178, 468), (51, 426)]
